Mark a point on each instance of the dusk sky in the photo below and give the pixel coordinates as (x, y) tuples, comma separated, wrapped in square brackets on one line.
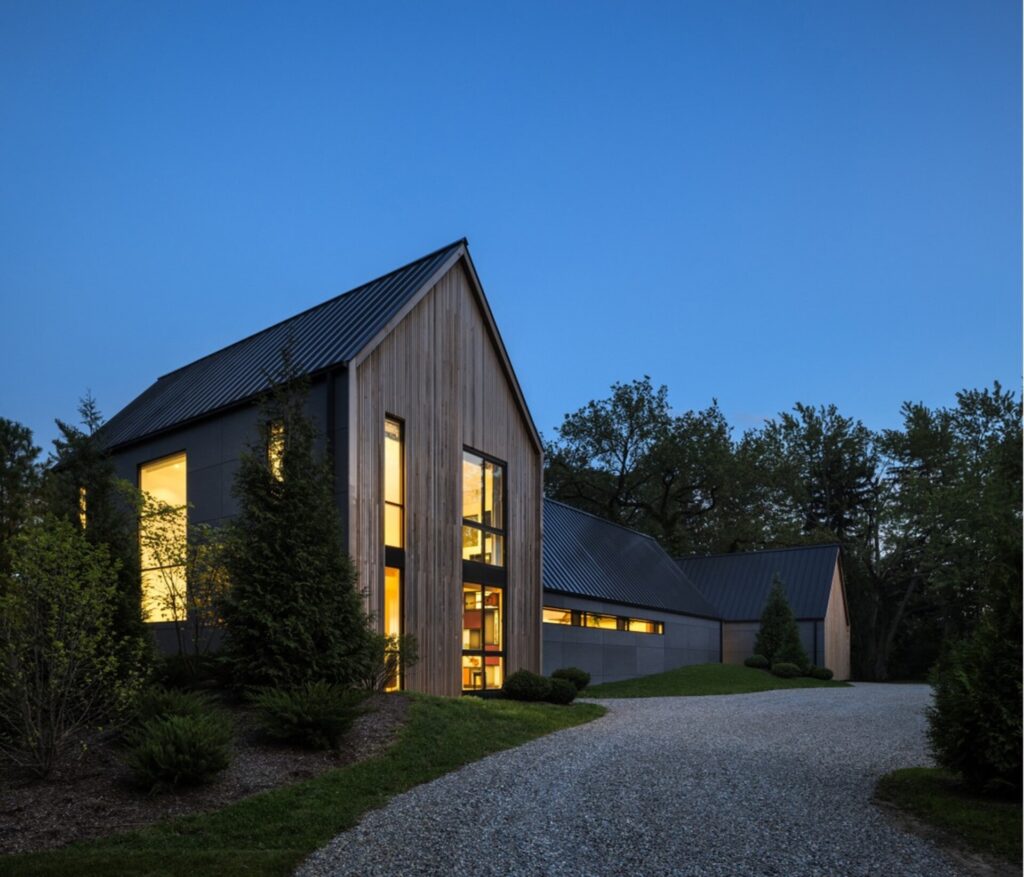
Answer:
[(763, 202)]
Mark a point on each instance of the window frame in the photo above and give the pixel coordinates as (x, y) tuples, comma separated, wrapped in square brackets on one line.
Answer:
[(183, 453), (394, 555), (483, 652), (502, 532)]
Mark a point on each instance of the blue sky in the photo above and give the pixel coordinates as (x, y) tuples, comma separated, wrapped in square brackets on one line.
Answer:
[(763, 202)]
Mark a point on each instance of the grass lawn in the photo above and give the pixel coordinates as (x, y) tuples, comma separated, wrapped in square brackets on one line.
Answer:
[(704, 679), (272, 832), (985, 825)]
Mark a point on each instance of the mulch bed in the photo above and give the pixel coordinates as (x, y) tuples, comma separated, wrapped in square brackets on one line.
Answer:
[(95, 797)]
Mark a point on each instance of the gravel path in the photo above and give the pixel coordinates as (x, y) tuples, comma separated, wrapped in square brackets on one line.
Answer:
[(777, 783)]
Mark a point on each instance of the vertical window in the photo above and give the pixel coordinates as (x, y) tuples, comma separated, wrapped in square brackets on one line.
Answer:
[(483, 510), (82, 518), (163, 536), (394, 484), (483, 655), (275, 449), (393, 615)]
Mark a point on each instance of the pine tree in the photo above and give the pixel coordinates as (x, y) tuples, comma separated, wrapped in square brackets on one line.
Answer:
[(19, 478), (779, 637), (293, 613)]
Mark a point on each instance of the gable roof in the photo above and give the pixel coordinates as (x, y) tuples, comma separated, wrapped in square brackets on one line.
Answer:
[(587, 556), (738, 584), (325, 336)]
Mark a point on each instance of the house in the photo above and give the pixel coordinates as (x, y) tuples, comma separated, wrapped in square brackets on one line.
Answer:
[(436, 461), (737, 585), (615, 604)]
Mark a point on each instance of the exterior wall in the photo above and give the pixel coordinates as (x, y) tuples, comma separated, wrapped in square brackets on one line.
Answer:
[(837, 630), (439, 371), (738, 639), (609, 655)]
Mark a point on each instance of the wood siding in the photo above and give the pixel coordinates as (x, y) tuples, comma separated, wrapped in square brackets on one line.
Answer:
[(837, 630), (440, 371)]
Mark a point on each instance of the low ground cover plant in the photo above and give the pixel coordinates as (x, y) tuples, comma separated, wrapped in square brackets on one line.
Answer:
[(157, 702), (316, 715), (179, 750), (579, 678)]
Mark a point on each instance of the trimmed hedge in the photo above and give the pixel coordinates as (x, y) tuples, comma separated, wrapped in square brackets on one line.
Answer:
[(758, 662), (316, 715), (785, 670), (179, 751), (822, 673), (561, 691), (579, 678), (524, 685)]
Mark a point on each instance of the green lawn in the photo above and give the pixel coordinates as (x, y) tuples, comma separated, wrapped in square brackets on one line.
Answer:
[(270, 833), (701, 679), (982, 824)]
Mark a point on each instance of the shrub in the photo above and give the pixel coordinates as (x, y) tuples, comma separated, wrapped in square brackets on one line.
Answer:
[(179, 751), (560, 691), (386, 657), (974, 727), (579, 678), (62, 670), (524, 685), (315, 715), (758, 662), (779, 637), (161, 703), (786, 670), (820, 673)]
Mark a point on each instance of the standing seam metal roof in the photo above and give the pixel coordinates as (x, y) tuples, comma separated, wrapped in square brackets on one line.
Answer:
[(587, 556), (328, 334), (738, 584)]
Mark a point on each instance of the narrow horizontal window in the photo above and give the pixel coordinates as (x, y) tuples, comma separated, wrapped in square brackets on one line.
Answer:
[(602, 621)]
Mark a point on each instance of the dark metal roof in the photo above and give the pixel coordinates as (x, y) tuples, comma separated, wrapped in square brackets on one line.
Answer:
[(587, 556), (329, 334), (738, 584)]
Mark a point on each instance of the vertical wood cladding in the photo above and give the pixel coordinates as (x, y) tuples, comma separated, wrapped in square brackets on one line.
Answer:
[(837, 631), (440, 372)]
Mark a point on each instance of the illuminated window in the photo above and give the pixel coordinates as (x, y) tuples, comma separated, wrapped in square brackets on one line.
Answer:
[(393, 614), (640, 625), (557, 616), (605, 622), (483, 505), (275, 450), (600, 621), (163, 539), (81, 507), (483, 655), (394, 484)]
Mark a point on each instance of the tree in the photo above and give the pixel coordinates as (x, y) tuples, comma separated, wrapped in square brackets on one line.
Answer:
[(779, 637), (19, 478), (61, 677), (292, 613)]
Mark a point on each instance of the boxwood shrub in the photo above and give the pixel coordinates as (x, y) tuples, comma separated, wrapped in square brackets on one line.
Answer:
[(785, 670), (524, 685), (579, 678), (820, 673), (179, 750), (561, 691), (758, 662)]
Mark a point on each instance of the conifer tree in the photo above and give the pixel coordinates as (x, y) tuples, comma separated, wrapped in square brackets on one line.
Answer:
[(779, 637), (292, 613)]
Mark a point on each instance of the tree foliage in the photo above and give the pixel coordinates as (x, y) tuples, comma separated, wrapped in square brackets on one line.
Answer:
[(778, 638), (19, 477)]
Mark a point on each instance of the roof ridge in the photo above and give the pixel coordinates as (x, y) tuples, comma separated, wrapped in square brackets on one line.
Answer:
[(604, 520), (757, 551), (460, 242)]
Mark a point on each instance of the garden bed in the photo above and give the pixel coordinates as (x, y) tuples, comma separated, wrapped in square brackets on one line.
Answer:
[(95, 798)]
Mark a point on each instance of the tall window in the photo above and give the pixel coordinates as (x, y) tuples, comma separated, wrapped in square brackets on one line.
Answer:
[(483, 509), (83, 517), (483, 653), (163, 535), (394, 535), (275, 449)]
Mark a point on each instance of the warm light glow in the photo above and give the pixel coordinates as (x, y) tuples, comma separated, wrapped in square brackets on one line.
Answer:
[(394, 484), (640, 625), (557, 616), (393, 612), (605, 622), (163, 571), (483, 499), (82, 507), (275, 450), (482, 634)]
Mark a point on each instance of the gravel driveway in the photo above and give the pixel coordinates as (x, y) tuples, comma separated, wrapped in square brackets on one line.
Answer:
[(777, 783)]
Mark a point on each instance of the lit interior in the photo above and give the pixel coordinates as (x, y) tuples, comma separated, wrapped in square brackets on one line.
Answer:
[(482, 633), (394, 485), (275, 450), (81, 507), (163, 578), (557, 616), (483, 497), (392, 611)]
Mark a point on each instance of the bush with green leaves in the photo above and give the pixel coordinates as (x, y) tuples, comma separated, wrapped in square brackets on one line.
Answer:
[(579, 678), (758, 662), (974, 725), (560, 691), (524, 685), (779, 637), (822, 673), (315, 715), (786, 670), (387, 656), (62, 676), (173, 751), (157, 702)]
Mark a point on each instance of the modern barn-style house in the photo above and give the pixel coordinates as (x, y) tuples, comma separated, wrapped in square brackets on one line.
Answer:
[(437, 463)]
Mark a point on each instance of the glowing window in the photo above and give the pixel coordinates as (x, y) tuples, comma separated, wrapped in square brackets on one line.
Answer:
[(82, 507), (275, 449), (393, 615), (163, 538), (483, 637), (604, 622), (557, 616), (483, 505), (394, 484), (640, 625)]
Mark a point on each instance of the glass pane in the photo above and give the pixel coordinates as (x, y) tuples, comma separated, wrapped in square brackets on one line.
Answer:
[(275, 450), (605, 622), (163, 594), (557, 616), (82, 506), (393, 487), (472, 672), (164, 479), (163, 537), (494, 671), (495, 553), (472, 487), (492, 620), (392, 601), (472, 544), (472, 617), (638, 625), (493, 495), (393, 525)]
